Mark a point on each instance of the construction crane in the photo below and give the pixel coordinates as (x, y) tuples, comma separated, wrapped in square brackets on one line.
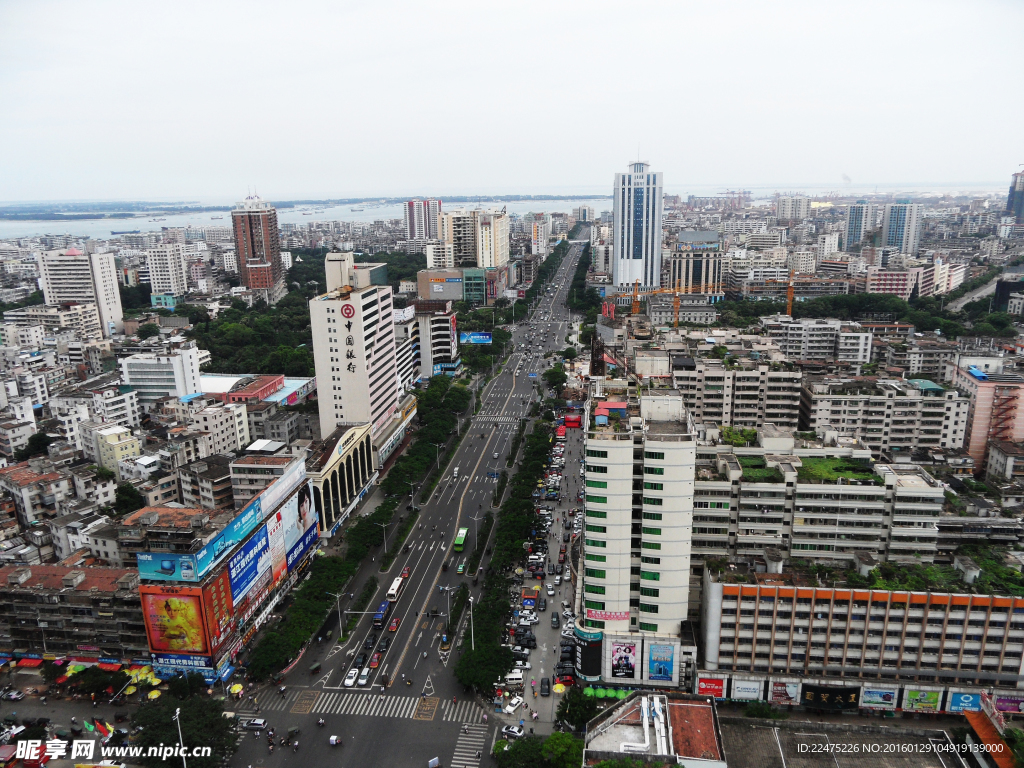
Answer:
[(789, 295), (676, 301)]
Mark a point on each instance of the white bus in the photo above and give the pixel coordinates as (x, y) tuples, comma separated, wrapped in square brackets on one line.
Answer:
[(396, 589)]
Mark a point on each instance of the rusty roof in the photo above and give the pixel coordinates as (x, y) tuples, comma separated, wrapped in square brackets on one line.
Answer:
[(169, 517), (51, 577)]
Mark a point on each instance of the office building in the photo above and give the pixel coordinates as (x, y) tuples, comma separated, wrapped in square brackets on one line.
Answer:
[(1015, 200), (997, 408), (168, 269), (354, 345), (583, 214), (154, 375), (893, 417), (860, 220), (407, 346), (790, 621), (772, 284), (639, 518), (792, 208), (73, 277), (694, 264), (421, 219), (637, 226), (438, 340), (901, 226), (340, 468), (819, 340), (478, 239), (258, 249)]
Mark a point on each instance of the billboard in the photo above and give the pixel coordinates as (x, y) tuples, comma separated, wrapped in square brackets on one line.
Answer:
[(588, 654), (878, 698), (829, 697), (250, 561), (302, 531), (275, 536), (174, 619), (167, 567), (1010, 703), (182, 662), (219, 607), (624, 660), (785, 693), (475, 337), (921, 701), (660, 661), (963, 702), (750, 690), (711, 686)]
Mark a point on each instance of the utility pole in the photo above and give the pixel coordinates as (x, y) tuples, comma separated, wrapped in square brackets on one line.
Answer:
[(472, 632), (341, 624), (177, 719)]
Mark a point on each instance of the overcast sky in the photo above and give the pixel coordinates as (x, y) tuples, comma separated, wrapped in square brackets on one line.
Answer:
[(303, 99)]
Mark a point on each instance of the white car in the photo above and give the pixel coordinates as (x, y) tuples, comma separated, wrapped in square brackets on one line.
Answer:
[(513, 705), (551, 590), (513, 731), (522, 665), (567, 574), (350, 678), (558, 580)]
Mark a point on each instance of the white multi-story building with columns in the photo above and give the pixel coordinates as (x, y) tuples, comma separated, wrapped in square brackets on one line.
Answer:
[(638, 226)]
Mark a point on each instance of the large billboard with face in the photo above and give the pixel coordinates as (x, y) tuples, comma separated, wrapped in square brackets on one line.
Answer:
[(174, 619), (302, 533), (624, 660)]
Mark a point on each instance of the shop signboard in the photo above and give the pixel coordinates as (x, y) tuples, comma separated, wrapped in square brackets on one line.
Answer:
[(961, 701), (829, 697), (921, 701), (711, 686), (785, 693), (1011, 703), (874, 697), (750, 690)]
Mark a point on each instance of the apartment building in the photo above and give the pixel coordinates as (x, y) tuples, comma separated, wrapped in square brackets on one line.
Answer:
[(695, 309), (478, 238), (744, 395), (227, 426), (168, 269), (893, 417), (258, 249), (639, 498), (792, 208), (901, 226), (154, 375), (819, 340), (37, 487), (63, 610), (922, 357), (114, 444), (407, 346), (83, 319), (438, 342), (903, 283), (206, 483), (787, 622), (73, 277), (996, 408), (252, 473), (354, 345)]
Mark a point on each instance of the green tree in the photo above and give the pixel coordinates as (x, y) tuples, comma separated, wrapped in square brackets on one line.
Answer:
[(576, 709), (524, 753), (202, 723), (570, 353), (555, 377), (36, 446), (127, 499), (620, 762), (482, 667), (148, 331), (562, 750)]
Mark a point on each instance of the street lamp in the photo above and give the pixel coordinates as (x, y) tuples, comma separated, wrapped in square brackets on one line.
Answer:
[(177, 719), (438, 446), (341, 624), (385, 527), (472, 633)]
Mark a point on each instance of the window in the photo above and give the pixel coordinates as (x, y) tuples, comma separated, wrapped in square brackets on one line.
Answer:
[(597, 483), (596, 513), (596, 558), (650, 592), (593, 624), (648, 608), (649, 561), (595, 543), (654, 470), (651, 531), (593, 588), (597, 454), (597, 529), (594, 604), (593, 573), (649, 575), (652, 515), (597, 499), (650, 545), (599, 470), (652, 502), (648, 627), (657, 455), (654, 486)]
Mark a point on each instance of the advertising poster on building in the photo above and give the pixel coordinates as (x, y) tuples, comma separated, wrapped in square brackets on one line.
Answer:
[(829, 697), (1010, 703), (749, 690), (251, 560), (711, 686), (660, 661), (921, 701), (785, 693), (167, 567), (475, 337), (174, 619), (589, 646), (624, 660), (286, 515), (220, 619), (306, 532), (964, 702), (878, 698)]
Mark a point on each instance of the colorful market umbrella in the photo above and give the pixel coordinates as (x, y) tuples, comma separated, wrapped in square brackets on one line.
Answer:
[(88, 726), (559, 688), (154, 694), (236, 688), (130, 690), (101, 727), (588, 691), (61, 679)]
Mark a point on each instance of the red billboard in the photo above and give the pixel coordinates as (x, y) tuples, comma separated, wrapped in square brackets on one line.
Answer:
[(220, 618), (711, 686), (174, 619)]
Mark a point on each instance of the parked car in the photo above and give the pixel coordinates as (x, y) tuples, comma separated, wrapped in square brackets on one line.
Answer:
[(522, 665), (513, 731), (513, 705), (551, 590)]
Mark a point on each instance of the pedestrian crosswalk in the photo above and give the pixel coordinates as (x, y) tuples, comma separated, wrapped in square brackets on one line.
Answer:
[(364, 704), (470, 747), (497, 419)]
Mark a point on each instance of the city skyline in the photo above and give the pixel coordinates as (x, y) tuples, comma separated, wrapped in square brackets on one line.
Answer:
[(87, 127)]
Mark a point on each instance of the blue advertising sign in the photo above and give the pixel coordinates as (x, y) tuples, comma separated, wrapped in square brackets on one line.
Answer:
[(532, 375), (474, 337), (167, 567), (245, 565), (182, 661), (964, 702), (308, 540), (660, 661)]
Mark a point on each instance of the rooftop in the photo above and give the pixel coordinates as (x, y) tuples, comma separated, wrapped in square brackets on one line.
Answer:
[(165, 517), (52, 577)]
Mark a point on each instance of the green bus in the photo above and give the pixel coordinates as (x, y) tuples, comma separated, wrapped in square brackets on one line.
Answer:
[(460, 539)]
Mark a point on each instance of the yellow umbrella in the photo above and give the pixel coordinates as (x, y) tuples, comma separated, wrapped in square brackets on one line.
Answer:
[(559, 688), (236, 688), (154, 694), (130, 690)]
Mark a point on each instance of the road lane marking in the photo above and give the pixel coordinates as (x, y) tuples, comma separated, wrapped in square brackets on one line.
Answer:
[(427, 708), (304, 703)]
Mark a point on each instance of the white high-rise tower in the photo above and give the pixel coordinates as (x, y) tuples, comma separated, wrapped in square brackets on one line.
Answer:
[(637, 230)]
